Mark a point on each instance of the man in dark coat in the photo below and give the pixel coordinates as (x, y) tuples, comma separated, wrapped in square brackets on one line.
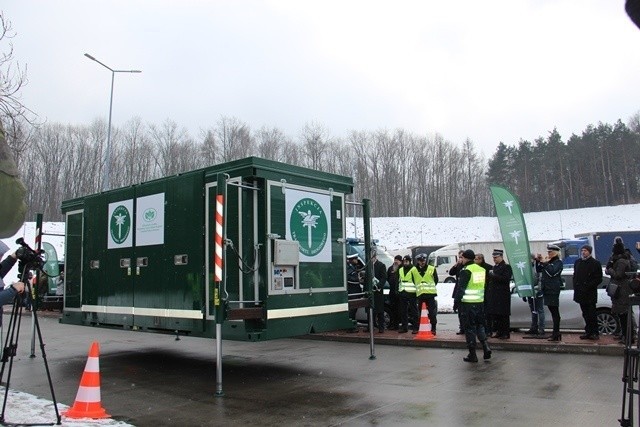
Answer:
[(498, 295), (379, 280), (455, 271), (354, 282), (587, 275), (394, 298)]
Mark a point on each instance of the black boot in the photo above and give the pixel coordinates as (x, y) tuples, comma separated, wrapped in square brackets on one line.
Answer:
[(487, 350), (471, 357), (555, 336)]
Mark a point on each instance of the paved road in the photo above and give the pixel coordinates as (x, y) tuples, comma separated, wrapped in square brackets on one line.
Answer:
[(153, 380)]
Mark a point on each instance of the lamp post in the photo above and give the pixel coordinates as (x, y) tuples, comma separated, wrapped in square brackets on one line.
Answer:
[(107, 160)]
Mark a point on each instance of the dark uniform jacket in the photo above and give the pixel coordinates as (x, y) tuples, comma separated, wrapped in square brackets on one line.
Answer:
[(550, 280), (380, 273), (497, 293), (587, 275)]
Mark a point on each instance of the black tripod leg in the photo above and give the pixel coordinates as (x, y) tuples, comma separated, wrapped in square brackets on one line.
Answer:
[(46, 367), (11, 345)]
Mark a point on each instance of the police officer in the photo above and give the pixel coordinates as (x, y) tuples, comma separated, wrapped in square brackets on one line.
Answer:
[(407, 293), (470, 297), (426, 278), (353, 283), (394, 298)]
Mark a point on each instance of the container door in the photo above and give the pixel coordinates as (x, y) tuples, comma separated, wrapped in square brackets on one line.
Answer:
[(168, 256), (107, 287)]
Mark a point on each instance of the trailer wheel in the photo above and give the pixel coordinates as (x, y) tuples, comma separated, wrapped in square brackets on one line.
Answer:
[(450, 280)]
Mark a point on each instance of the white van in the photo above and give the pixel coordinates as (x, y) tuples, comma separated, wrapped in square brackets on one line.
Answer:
[(443, 259)]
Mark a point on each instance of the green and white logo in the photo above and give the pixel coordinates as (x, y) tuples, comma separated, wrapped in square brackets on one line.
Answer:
[(308, 225), (150, 214), (120, 224)]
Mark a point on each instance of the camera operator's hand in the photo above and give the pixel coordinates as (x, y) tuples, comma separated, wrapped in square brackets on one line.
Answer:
[(18, 286)]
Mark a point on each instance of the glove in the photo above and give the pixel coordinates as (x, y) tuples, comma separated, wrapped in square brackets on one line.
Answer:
[(524, 299)]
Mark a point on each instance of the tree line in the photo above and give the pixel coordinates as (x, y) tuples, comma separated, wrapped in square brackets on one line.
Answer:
[(403, 174), (599, 167)]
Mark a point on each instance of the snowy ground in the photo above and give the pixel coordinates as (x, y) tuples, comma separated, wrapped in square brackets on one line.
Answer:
[(24, 408)]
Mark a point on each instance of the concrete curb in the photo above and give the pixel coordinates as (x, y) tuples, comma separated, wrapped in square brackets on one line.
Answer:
[(457, 342)]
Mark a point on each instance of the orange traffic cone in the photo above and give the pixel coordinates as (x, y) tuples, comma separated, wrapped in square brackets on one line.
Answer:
[(87, 404), (424, 333)]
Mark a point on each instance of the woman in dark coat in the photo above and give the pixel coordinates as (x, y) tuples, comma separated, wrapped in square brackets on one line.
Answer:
[(551, 282), (498, 295), (617, 268)]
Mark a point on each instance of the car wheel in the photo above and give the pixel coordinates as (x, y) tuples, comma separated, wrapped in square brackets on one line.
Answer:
[(607, 322), (450, 280)]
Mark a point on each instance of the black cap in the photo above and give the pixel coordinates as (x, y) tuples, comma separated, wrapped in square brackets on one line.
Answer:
[(421, 257), (552, 247), (497, 252), (398, 257), (468, 254), (407, 258)]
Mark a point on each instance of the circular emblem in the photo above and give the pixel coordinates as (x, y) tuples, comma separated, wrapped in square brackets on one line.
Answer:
[(120, 224), (149, 215), (308, 223)]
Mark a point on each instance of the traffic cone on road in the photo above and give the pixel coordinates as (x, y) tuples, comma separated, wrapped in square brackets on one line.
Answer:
[(424, 332), (87, 404)]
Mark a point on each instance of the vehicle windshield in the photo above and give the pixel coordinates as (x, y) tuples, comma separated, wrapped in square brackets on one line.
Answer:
[(358, 247)]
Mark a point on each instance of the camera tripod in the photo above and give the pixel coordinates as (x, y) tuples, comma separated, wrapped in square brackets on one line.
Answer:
[(10, 348)]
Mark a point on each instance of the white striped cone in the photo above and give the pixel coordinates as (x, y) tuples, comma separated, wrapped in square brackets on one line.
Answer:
[(87, 404), (424, 332)]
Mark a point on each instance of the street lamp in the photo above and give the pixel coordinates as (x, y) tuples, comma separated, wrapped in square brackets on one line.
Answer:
[(107, 160)]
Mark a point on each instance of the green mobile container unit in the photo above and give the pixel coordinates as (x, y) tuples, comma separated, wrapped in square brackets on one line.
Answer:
[(142, 257)]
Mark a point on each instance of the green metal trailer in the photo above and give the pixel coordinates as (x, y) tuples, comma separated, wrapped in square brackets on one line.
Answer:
[(142, 257)]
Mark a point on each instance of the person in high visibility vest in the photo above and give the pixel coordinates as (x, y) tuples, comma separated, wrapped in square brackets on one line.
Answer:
[(407, 292), (470, 298), (426, 278)]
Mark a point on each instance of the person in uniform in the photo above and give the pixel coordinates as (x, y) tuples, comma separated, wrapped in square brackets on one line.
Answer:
[(354, 288), (394, 298), (426, 278), (407, 293), (498, 295), (550, 269), (470, 297)]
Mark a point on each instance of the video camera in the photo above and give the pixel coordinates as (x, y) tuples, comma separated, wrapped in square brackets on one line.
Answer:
[(27, 257)]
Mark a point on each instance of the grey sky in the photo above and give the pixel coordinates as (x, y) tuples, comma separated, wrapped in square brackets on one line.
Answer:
[(488, 70)]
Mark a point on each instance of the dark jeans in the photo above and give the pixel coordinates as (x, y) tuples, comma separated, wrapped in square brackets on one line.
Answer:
[(590, 318), (408, 310), (536, 305), (394, 301), (474, 321)]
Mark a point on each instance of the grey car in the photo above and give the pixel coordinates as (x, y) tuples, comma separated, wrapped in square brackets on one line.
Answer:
[(570, 313)]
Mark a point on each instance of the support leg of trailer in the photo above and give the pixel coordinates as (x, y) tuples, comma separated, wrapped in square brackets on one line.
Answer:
[(219, 392)]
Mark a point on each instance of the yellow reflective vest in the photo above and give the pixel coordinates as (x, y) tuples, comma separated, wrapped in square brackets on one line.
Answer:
[(405, 279), (475, 288), (425, 284)]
